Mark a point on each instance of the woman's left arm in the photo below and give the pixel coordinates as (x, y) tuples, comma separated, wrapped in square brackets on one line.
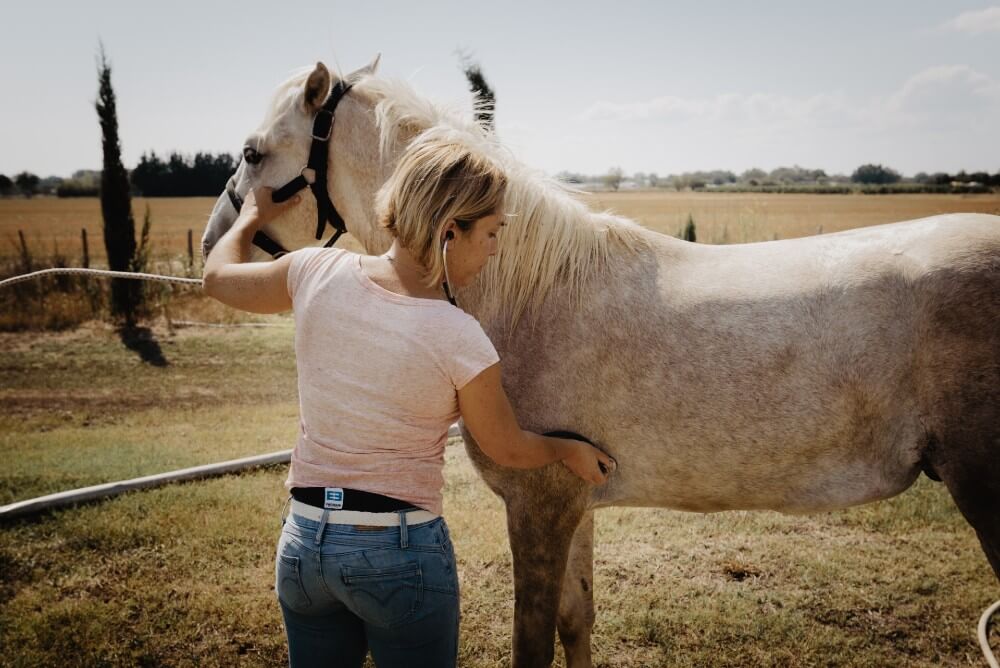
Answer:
[(230, 277)]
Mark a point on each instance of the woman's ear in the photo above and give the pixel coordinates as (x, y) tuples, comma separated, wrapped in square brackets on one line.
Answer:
[(448, 231)]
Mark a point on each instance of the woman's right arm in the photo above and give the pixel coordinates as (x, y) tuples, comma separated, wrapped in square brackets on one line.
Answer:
[(230, 277), (487, 413)]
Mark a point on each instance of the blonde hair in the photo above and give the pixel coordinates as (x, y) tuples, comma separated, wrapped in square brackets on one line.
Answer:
[(434, 182)]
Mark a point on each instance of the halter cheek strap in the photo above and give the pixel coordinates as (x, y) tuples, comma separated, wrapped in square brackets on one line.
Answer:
[(313, 176)]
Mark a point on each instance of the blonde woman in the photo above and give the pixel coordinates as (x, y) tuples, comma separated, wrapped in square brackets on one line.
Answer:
[(385, 365)]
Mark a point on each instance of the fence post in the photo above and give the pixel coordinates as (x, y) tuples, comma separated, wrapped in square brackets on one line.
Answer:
[(25, 254), (86, 248), (190, 250)]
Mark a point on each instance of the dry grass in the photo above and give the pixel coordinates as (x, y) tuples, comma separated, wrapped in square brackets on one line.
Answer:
[(720, 217), (49, 223), (51, 229), (745, 217), (183, 575)]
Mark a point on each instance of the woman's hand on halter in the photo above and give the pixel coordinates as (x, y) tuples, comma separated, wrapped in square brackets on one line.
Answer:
[(230, 277), (259, 208)]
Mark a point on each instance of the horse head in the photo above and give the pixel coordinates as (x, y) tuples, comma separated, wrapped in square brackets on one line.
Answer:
[(277, 153), (551, 238)]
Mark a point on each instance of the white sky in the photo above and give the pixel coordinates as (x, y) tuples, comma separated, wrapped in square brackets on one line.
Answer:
[(650, 86)]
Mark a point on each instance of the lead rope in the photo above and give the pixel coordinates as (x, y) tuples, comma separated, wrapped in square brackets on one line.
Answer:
[(984, 638), (100, 272)]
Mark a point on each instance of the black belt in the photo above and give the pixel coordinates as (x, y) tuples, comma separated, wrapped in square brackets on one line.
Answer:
[(354, 499)]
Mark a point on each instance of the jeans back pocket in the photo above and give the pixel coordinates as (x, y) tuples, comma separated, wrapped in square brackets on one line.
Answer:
[(386, 596), (288, 583)]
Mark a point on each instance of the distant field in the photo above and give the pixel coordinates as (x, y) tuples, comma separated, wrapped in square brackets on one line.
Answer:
[(719, 218), (745, 217), (49, 222)]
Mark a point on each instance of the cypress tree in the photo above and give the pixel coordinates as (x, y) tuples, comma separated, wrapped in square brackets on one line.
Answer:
[(116, 203), (689, 232)]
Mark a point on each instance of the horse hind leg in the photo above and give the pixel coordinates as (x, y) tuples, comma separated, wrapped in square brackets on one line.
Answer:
[(959, 362), (967, 459), (576, 604)]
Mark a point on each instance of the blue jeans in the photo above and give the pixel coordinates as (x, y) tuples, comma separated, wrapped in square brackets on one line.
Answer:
[(344, 591)]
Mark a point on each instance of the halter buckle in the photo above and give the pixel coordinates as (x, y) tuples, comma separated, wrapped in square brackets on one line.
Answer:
[(329, 127)]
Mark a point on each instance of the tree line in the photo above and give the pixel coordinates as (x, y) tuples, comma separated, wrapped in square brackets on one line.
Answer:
[(205, 175), (179, 175), (868, 178)]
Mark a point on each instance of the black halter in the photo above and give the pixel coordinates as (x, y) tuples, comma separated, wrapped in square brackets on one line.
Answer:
[(313, 175)]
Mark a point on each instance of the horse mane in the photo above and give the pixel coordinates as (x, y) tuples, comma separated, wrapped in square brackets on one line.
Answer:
[(551, 239)]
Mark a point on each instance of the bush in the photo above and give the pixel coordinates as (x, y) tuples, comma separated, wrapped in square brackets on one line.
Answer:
[(72, 188), (875, 174)]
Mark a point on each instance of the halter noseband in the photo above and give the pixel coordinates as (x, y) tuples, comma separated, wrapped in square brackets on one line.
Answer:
[(313, 175)]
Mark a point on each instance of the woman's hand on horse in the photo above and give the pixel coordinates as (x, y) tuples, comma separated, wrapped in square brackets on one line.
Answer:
[(588, 462), (489, 417), (259, 207)]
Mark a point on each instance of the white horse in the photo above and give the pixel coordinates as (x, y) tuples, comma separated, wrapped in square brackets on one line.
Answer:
[(798, 376)]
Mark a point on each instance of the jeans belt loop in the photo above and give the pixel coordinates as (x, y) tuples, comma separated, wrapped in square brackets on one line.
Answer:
[(403, 537), (322, 525), (284, 510)]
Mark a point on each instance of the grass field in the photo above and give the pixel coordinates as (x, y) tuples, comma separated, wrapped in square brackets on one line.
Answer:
[(49, 222), (183, 575)]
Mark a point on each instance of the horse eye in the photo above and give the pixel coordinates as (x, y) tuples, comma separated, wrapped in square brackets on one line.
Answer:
[(251, 155)]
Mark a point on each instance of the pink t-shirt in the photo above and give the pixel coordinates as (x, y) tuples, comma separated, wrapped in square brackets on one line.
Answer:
[(378, 374)]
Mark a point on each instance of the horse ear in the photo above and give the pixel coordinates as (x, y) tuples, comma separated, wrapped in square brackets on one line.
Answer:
[(317, 88), (367, 70)]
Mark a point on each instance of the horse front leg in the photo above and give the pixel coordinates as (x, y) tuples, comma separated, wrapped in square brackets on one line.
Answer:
[(541, 530), (576, 605)]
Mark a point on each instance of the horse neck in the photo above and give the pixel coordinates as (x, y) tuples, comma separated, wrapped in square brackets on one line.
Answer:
[(609, 242), (357, 171), (364, 167)]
